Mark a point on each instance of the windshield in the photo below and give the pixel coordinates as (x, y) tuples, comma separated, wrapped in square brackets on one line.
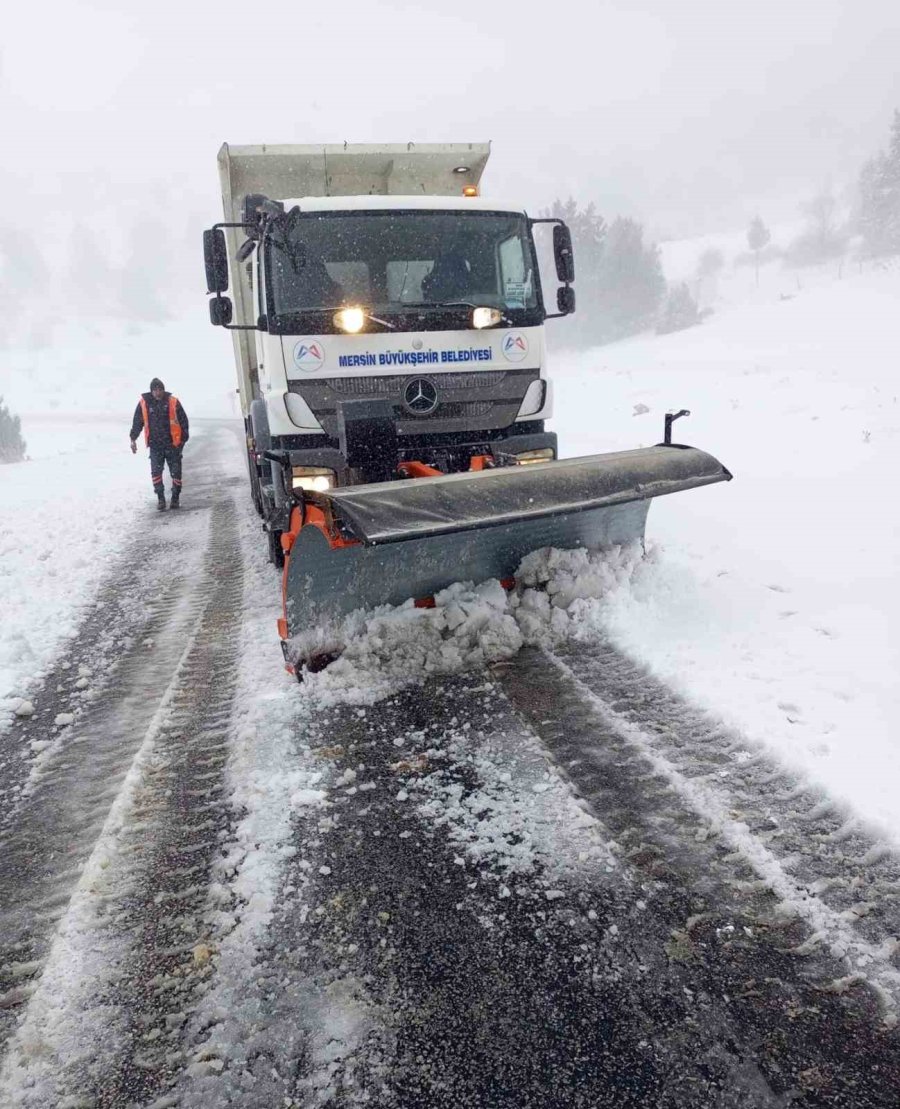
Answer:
[(391, 261)]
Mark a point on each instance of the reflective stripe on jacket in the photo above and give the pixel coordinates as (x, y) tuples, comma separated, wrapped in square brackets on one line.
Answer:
[(174, 425)]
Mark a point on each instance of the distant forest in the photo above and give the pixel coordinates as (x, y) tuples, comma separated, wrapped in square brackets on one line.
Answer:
[(620, 285)]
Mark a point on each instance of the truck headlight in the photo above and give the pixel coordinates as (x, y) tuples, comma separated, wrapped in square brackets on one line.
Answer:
[(486, 317), (528, 458), (314, 479), (350, 320)]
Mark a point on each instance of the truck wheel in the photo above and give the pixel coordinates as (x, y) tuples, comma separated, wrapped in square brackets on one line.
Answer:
[(258, 429), (254, 483)]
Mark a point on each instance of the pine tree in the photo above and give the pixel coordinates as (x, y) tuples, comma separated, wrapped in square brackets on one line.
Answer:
[(879, 198), (588, 237), (758, 236), (871, 217), (680, 311), (12, 445), (709, 265), (710, 262), (631, 282), (620, 281), (823, 236), (891, 184)]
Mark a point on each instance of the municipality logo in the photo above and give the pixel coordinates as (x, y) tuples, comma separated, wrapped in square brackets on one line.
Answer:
[(309, 357), (514, 347)]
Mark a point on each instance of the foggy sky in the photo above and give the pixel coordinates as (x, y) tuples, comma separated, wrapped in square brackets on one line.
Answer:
[(689, 114)]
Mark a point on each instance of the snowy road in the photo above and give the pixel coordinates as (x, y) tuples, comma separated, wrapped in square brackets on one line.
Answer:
[(548, 883)]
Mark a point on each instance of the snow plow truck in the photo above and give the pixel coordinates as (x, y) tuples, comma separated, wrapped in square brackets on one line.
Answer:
[(388, 330)]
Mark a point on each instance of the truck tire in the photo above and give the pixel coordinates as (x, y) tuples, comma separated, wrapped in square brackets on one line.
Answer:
[(253, 473), (258, 422)]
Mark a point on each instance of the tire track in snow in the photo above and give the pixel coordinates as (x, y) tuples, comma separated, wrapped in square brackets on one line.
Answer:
[(125, 615), (88, 886), (635, 760), (823, 850), (182, 820), (51, 832)]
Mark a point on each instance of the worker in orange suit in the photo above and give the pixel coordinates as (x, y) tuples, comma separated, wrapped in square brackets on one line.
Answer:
[(166, 430)]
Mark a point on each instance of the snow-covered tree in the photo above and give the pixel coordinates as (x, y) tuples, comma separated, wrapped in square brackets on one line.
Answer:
[(823, 237), (588, 229), (758, 237), (620, 283), (588, 237), (680, 311), (879, 198), (709, 266), (24, 272), (92, 285), (710, 262), (146, 293), (631, 285), (12, 445)]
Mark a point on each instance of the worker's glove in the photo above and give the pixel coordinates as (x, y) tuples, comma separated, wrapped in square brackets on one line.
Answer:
[(133, 447)]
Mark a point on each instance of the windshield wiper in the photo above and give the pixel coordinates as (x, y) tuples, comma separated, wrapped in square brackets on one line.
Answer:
[(457, 304), (441, 304)]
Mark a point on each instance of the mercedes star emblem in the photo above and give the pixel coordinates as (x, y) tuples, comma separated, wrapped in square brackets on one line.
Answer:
[(420, 396)]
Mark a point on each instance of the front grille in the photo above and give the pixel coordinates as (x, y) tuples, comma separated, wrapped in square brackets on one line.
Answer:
[(392, 384), (460, 410), (467, 402)]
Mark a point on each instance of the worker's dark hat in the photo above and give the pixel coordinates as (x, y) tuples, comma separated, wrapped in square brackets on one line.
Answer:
[(156, 384)]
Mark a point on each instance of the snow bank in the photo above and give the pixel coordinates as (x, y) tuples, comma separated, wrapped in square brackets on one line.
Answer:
[(67, 512), (469, 627), (84, 367), (773, 600), (64, 519)]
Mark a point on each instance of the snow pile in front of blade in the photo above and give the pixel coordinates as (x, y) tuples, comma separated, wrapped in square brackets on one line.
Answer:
[(383, 650), (563, 591), (469, 627)]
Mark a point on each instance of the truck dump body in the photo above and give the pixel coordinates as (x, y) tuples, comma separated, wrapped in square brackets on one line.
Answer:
[(341, 169)]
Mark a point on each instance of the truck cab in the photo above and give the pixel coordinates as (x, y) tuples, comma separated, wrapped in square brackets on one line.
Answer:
[(377, 327)]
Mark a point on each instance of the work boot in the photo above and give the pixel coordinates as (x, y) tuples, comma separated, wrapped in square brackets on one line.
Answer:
[(161, 502), (174, 502)]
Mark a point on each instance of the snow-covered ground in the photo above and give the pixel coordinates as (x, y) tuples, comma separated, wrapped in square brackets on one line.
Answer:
[(67, 513), (773, 599), (101, 366), (770, 600), (64, 517)]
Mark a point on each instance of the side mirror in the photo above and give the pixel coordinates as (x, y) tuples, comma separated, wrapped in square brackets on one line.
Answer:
[(215, 255), (565, 300), (562, 253), (220, 311)]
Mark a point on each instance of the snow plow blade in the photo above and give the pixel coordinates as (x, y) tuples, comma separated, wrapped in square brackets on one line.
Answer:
[(368, 545)]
